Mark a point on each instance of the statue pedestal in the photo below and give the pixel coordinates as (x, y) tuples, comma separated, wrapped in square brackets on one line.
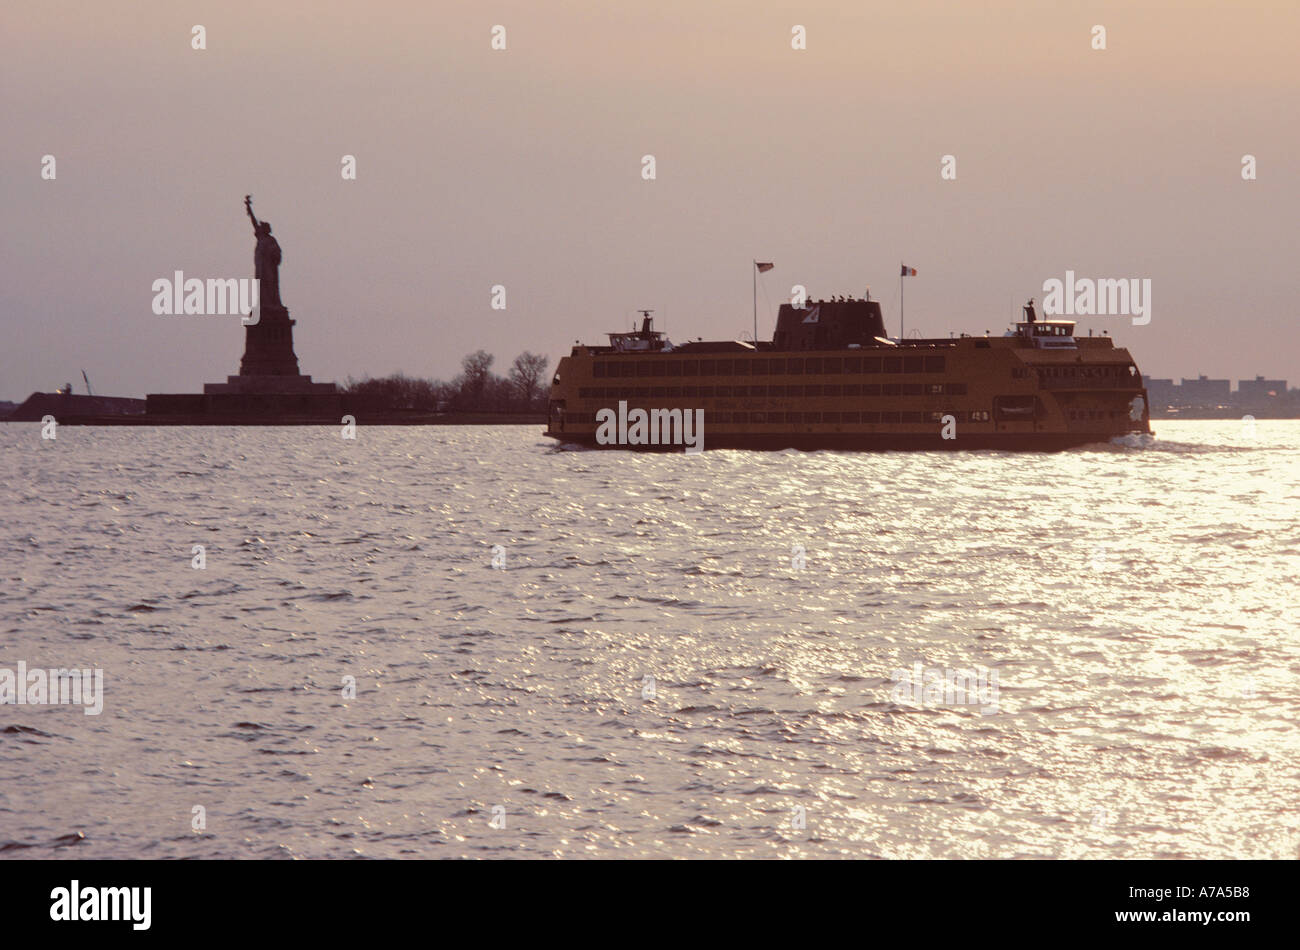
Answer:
[(268, 390), (268, 345), (269, 365)]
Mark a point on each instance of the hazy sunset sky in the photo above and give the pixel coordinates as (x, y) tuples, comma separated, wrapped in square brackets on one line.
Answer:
[(522, 168)]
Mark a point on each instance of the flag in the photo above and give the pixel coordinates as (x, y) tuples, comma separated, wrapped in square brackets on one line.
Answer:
[(814, 315), (764, 268), (908, 271)]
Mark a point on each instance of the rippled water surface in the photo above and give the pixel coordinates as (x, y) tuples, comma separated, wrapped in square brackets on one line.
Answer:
[(682, 656)]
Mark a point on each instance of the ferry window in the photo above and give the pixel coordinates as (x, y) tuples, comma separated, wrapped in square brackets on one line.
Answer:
[(794, 366), (871, 389), (893, 364), (776, 391), (719, 417), (955, 389), (760, 417), (893, 389), (741, 417), (724, 367), (674, 367), (889, 417), (658, 392), (706, 391), (851, 417), (831, 364), (743, 367), (913, 364), (870, 364), (794, 391), (690, 368), (853, 390), (722, 391), (641, 391), (584, 392), (599, 368), (832, 417), (690, 392), (831, 390), (812, 390), (776, 367), (853, 364), (871, 417), (708, 367), (812, 417), (913, 389), (658, 368), (643, 367), (935, 389), (812, 365), (758, 390), (627, 368), (911, 417), (674, 392), (934, 364)]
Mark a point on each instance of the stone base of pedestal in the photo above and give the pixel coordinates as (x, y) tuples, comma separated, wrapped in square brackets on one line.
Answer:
[(247, 408), (246, 385)]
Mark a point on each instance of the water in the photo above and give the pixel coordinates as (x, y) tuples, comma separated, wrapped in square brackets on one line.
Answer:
[(1136, 601)]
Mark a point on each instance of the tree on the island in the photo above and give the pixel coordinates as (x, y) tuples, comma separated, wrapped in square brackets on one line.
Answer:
[(476, 370), (526, 375)]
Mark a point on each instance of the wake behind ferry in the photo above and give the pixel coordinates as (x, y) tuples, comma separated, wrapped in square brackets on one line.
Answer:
[(830, 378)]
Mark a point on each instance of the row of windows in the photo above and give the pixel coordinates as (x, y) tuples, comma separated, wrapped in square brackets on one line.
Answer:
[(777, 392), (1082, 414), (813, 418), (1074, 370), (765, 366)]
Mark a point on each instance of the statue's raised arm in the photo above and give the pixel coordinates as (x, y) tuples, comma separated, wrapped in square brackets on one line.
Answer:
[(248, 206)]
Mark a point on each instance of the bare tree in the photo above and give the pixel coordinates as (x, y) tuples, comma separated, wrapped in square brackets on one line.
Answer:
[(476, 370), (526, 375)]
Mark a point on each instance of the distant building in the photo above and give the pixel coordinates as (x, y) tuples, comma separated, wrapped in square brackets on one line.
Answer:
[(1260, 389), (1202, 391), (1160, 392)]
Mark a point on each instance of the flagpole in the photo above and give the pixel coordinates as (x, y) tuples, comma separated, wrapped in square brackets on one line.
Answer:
[(900, 302), (754, 277)]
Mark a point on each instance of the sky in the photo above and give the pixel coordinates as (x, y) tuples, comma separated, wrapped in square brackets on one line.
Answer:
[(523, 168)]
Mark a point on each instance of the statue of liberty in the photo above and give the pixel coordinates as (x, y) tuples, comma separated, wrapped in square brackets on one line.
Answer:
[(266, 259)]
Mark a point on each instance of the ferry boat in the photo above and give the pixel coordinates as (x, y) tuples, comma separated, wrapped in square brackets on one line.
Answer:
[(830, 378)]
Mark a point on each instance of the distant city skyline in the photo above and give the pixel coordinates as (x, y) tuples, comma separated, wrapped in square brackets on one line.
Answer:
[(500, 197)]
